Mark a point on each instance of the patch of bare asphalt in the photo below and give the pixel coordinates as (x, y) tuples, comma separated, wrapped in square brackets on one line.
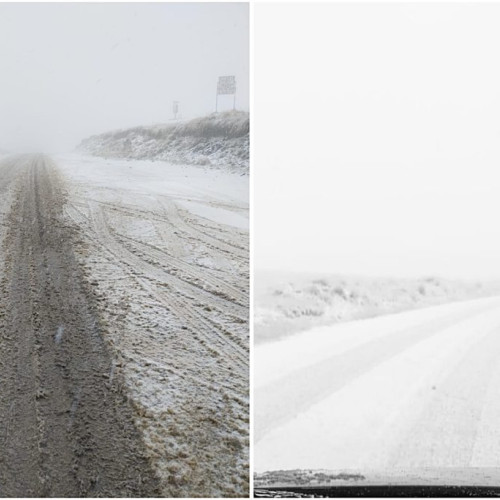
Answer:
[(66, 426)]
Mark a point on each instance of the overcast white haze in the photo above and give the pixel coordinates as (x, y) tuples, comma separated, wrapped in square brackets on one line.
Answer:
[(77, 69), (377, 138)]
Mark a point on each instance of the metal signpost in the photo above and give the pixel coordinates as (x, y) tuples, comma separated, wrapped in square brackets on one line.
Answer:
[(175, 109), (226, 86)]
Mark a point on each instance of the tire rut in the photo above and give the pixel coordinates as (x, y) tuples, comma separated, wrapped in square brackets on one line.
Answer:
[(199, 323), (66, 427)]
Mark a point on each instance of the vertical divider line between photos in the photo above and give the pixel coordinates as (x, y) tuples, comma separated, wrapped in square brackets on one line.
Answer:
[(251, 241)]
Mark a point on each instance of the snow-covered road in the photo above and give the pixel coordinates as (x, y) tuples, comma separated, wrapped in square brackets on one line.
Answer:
[(414, 390)]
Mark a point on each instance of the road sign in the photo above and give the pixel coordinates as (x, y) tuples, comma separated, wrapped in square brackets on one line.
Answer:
[(226, 86)]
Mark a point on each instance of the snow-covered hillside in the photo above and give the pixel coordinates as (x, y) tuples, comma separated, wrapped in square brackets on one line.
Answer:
[(286, 304), (218, 140)]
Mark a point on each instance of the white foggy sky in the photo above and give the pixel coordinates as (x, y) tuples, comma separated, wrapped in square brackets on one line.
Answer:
[(377, 138), (70, 70)]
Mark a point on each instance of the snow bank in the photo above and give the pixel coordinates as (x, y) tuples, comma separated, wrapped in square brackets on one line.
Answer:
[(219, 140)]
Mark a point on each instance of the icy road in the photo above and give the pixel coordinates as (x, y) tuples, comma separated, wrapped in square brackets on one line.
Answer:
[(409, 391), (123, 329)]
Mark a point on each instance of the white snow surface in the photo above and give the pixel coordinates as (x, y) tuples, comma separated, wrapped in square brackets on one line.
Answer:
[(146, 178)]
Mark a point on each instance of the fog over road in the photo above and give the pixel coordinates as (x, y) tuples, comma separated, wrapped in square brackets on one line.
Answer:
[(407, 391), (66, 428)]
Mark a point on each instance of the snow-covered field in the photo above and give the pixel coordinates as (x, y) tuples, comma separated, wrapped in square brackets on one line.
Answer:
[(402, 392), (166, 248)]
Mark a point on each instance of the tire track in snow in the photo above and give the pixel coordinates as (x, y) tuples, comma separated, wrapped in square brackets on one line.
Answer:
[(68, 429)]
